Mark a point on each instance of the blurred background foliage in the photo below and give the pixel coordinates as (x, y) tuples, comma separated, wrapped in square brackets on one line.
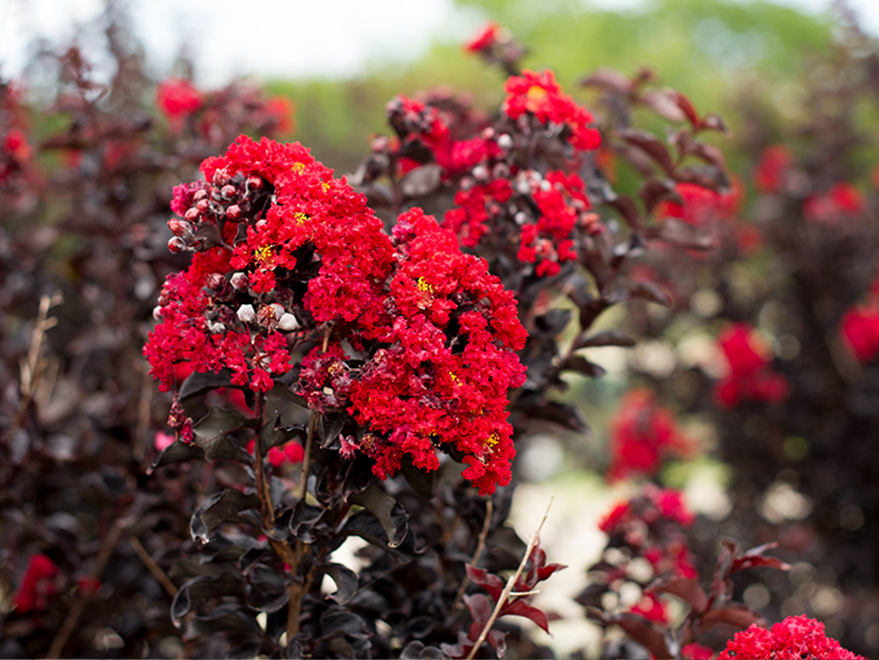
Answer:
[(708, 49)]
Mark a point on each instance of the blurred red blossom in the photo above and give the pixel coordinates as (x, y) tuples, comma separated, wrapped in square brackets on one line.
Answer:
[(794, 638), (750, 376), (38, 585)]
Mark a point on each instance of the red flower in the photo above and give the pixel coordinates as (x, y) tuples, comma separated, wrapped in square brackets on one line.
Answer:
[(538, 94), (178, 98), (792, 639), (651, 608), (698, 205), (750, 376), (38, 585), (694, 651), (643, 435), (860, 331), (772, 168), (484, 39)]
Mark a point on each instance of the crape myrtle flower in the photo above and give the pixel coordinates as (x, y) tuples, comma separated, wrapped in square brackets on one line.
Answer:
[(770, 173), (415, 339), (177, 98), (860, 330), (537, 93), (487, 37), (643, 435), (794, 638), (750, 376), (842, 200), (38, 585)]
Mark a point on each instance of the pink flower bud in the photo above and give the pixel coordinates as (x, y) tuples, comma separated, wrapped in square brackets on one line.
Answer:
[(202, 205), (215, 281), (228, 191), (157, 312), (178, 227), (176, 244), (192, 214), (254, 183), (233, 213), (200, 195)]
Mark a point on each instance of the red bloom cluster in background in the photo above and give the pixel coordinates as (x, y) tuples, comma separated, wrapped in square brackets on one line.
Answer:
[(650, 526), (841, 201), (770, 173), (537, 94), (794, 638), (698, 205), (859, 326), (643, 435), (286, 254), (38, 585), (212, 113), (750, 377), (487, 37)]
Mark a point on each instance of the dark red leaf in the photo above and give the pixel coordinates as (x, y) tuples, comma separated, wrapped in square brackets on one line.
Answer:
[(608, 79), (645, 633), (480, 608), (650, 145), (687, 589), (488, 581), (735, 614), (663, 105), (520, 608), (684, 104)]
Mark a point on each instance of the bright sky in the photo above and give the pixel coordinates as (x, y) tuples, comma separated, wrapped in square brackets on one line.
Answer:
[(289, 38)]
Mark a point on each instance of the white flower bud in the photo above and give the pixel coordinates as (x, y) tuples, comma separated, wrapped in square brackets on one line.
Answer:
[(278, 309), (505, 141), (288, 322), (238, 280), (246, 314), (157, 312)]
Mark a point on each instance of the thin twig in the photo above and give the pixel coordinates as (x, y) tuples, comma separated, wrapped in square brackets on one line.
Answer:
[(306, 459), (153, 567), (480, 547), (508, 589), (84, 595)]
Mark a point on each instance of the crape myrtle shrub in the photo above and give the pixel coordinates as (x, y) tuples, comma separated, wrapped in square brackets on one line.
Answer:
[(788, 296), (335, 366)]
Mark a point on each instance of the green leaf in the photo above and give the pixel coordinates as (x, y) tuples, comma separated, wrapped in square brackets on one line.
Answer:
[(212, 435)]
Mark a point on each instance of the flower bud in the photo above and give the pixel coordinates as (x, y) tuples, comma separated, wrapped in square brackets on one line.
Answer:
[(233, 213), (179, 227), (246, 314), (238, 280), (176, 244), (254, 183), (192, 214), (505, 141), (202, 205), (215, 281), (288, 322), (228, 191), (199, 195), (157, 312)]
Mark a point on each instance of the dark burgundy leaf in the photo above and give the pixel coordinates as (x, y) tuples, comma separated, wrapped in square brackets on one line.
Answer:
[(392, 516), (565, 414), (584, 366), (735, 614), (488, 581), (709, 153), (274, 435), (682, 234), (421, 181), (480, 608), (663, 105), (519, 607), (498, 640), (713, 122), (685, 105), (615, 337), (303, 519), (608, 79), (218, 508), (212, 435), (345, 579), (628, 210), (754, 558), (651, 292), (197, 384), (688, 590), (654, 191), (645, 633), (202, 588), (330, 427), (650, 145), (178, 452), (554, 321)]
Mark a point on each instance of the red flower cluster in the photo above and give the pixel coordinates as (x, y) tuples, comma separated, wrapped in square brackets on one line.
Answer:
[(794, 638), (750, 376), (860, 331), (772, 168), (441, 377), (38, 585), (842, 200), (539, 95), (178, 98), (649, 525), (643, 435), (286, 253)]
